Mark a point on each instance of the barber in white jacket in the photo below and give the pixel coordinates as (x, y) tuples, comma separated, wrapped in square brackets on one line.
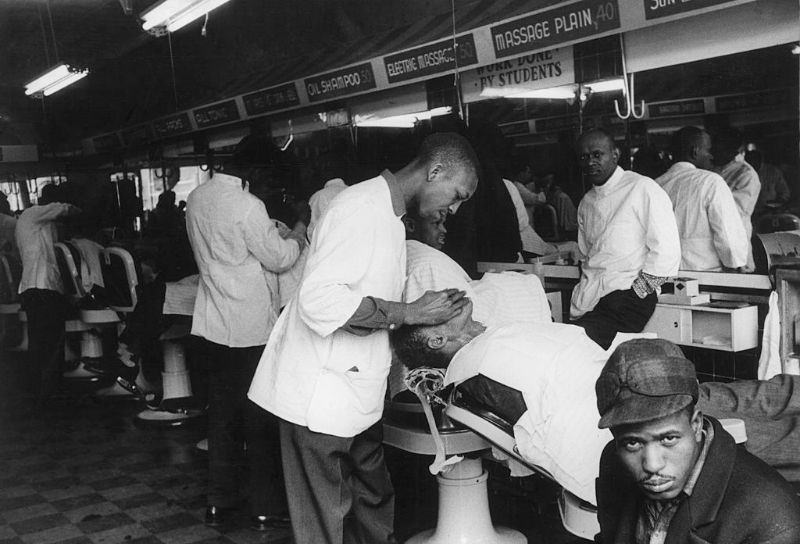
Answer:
[(324, 370), (239, 251), (711, 231), (628, 241)]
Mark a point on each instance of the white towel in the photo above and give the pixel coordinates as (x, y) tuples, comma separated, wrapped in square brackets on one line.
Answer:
[(769, 364)]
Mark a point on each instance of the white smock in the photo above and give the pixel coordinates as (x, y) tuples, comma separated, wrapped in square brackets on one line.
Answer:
[(312, 373), (745, 186), (238, 251), (555, 367), (36, 235), (321, 200), (625, 226), (711, 231)]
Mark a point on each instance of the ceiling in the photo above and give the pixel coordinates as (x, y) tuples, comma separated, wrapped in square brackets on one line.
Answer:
[(249, 44)]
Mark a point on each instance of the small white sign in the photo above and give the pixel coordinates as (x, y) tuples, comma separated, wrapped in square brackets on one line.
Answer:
[(552, 68)]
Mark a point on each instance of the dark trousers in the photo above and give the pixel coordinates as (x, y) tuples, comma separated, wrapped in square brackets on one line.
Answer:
[(233, 420), (338, 488), (47, 315), (618, 311)]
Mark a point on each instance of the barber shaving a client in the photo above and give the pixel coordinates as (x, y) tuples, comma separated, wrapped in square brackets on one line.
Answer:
[(555, 366)]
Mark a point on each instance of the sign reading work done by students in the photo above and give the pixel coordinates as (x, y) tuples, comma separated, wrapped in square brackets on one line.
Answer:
[(542, 70)]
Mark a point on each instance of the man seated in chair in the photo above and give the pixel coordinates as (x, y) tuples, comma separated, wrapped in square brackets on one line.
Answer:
[(555, 367), (672, 474)]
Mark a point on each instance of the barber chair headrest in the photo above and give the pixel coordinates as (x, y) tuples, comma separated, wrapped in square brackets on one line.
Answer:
[(119, 276), (776, 249), (68, 261)]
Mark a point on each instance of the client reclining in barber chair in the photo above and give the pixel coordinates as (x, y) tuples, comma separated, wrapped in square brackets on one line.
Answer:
[(545, 375)]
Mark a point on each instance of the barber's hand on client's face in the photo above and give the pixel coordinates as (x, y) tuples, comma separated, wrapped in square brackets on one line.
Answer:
[(435, 307)]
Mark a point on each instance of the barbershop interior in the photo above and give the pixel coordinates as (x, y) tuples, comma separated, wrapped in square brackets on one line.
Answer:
[(424, 271)]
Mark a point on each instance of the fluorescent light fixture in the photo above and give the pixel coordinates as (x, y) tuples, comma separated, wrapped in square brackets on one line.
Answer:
[(564, 92), (606, 86), (407, 120), (55, 79), (175, 14)]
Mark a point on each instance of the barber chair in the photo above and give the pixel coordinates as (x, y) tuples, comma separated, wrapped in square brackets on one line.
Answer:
[(120, 280), (470, 409), (463, 497), (178, 405), (87, 322), (13, 329), (545, 222)]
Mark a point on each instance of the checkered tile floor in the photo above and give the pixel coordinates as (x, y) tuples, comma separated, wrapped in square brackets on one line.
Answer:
[(81, 472)]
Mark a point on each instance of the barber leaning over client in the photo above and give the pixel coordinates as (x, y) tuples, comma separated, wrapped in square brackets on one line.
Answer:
[(628, 240), (324, 370), (673, 475)]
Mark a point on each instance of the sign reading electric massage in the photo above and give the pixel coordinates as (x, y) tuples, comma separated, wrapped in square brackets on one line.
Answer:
[(653, 9), (430, 59), (340, 82), (555, 26)]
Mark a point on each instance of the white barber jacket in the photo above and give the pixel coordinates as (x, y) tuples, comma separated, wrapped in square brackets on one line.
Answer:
[(36, 236), (312, 373), (238, 251), (321, 200), (624, 226), (711, 231)]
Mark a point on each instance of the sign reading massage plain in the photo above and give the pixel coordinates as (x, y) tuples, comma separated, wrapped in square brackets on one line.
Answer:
[(340, 82), (653, 9), (555, 26), (541, 70), (430, 59)]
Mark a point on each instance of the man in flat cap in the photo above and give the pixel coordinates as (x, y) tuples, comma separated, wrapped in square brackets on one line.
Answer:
[(673, 475)]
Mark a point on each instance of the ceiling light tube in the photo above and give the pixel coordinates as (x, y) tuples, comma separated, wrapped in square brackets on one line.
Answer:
[(563, 92), (175, 14), (406, 120), (605, 86), (67, 81), (55, 79)]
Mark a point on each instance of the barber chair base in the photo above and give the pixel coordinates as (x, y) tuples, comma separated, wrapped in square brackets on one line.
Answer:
[(464, 510), (81, 372), (167, 418)]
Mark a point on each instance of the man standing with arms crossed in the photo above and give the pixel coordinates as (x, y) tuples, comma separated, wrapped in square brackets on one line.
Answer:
[(325, 366)]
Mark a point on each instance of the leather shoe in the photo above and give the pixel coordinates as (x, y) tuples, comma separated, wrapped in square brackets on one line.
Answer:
[(215, 516), (265, 523)]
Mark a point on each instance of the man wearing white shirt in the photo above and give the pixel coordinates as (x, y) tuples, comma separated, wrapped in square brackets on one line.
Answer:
[(628, 240), (40, 287), (324, 369), (239, 252), (741, 178), (711, 231)]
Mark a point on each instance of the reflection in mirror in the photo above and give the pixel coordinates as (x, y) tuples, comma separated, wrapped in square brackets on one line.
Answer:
[(747, 104)]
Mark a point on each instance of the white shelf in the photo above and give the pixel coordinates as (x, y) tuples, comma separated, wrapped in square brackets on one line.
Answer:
[(726, 329)]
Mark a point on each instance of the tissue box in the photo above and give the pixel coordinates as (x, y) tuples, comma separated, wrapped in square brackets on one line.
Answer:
[(681, 287)]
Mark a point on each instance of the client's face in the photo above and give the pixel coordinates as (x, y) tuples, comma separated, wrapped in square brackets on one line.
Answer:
[(456, 333), (432, 232)]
